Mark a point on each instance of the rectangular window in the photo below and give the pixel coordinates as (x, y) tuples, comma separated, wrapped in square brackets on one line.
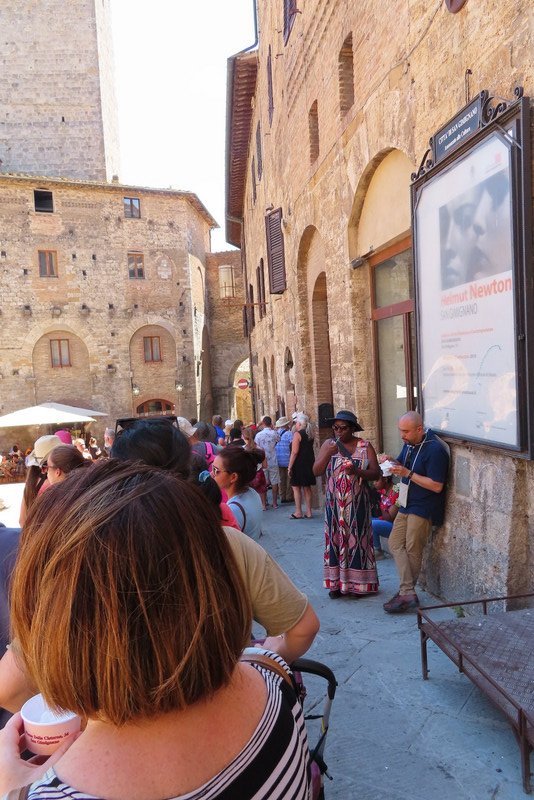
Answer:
[(226, 281), (60, 353), (290, 12), (136, 265), (313, 127), (270, 85), (259, 154), (132, 207), (253, 177), (393, 310), (152, 348), (47, 264), (43, 201), (275, 252)]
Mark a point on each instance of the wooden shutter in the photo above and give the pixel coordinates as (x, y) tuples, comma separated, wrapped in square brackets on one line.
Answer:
[(275, 252), (270, 85)]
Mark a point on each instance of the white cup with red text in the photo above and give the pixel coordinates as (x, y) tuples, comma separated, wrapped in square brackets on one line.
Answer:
[(45, 729)]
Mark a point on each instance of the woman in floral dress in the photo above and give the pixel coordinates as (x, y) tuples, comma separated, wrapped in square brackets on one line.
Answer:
[(349, 462)]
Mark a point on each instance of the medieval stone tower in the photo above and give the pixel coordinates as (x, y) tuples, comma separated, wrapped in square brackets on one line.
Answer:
[(58, 112)]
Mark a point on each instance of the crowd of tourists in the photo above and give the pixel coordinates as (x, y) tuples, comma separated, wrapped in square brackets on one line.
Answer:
[(138, 574)]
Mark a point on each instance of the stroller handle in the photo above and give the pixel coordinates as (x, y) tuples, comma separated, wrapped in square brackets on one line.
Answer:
[(316, 668)]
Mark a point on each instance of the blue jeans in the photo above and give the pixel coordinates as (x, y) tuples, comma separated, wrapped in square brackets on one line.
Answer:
[(381, 527)]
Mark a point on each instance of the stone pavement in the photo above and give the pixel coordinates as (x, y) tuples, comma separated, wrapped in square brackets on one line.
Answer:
[(392, 735)]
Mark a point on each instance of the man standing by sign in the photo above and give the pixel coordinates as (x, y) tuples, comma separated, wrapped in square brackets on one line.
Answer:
[(422, 465)]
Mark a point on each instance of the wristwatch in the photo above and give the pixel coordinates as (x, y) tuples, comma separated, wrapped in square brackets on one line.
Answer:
[(410, 475)]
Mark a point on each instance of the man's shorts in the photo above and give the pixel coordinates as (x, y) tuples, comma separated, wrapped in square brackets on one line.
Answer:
[(273, 475)]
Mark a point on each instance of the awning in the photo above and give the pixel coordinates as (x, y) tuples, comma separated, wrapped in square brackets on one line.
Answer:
[(42, 415), (88, 412)]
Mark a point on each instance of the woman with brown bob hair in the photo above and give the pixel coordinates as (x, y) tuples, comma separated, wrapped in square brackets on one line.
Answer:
[(143, 640)]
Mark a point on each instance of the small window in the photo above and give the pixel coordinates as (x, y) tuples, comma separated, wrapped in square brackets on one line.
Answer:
[(44, 201), (259, 154), (152, 348), (313, 125), (47, 264), (275, 252), (226, 281), (253, 176), (132, 207), (270, 85), (136, 265), (60, 353), (346, 76), (290, 12)]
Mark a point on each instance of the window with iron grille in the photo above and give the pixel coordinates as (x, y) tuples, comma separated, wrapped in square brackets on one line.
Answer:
[(313, 126), (346, 76), (152, 348), (259, 154), (136, 265), (132, 207), (275, 252), (270, 85), (60, 353), (290, 12), (226, 281), (43, 201), (47, 264)]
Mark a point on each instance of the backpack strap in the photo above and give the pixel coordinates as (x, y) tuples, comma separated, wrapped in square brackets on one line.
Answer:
[(240, 507)]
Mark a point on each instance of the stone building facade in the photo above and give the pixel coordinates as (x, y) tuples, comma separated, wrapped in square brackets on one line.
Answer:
[(103, 287), (102, 309), (329, 116)]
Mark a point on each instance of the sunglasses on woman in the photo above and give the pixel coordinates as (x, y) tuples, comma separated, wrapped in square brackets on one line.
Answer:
[(340, 427)]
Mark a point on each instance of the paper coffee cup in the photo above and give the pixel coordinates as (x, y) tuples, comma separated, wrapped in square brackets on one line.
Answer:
[(44, 729), (386, 466)]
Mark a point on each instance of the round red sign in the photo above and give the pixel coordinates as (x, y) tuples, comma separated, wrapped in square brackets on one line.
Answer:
[(243, 383)]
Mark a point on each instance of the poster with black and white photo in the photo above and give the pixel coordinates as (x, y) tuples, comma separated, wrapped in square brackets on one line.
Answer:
[(465, 279)]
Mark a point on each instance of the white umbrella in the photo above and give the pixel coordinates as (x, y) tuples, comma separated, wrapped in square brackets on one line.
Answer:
[(88, 412), (40, 415)]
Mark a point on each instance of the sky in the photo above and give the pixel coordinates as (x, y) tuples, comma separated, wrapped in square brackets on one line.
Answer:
[(170, 62)]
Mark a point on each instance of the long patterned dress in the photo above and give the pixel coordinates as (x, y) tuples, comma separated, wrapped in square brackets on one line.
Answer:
[(349, 556)]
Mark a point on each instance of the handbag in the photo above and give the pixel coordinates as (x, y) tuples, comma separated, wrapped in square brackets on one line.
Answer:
[(259, 482)]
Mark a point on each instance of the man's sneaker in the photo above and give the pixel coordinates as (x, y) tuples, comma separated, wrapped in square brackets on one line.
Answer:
[(401, 603)]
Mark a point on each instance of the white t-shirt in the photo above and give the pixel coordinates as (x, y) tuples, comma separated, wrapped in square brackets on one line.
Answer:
[(267, 439)]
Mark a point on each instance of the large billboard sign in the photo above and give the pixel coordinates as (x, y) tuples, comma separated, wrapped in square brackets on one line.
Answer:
[(469, 258)]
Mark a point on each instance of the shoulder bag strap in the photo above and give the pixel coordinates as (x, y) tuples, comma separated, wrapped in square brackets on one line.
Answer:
[(240, 507), (268, 663)]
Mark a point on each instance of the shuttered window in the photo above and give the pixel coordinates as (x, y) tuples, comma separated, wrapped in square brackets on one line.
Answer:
[(253, 177), (270, 85), (275, 252), (290, 12), (259, 154)]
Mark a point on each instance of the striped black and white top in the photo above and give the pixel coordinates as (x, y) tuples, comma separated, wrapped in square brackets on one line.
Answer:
[(274, 764)]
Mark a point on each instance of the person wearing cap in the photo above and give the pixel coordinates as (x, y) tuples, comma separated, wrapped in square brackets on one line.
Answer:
[(36, 477), (349, 462), (283, 450)]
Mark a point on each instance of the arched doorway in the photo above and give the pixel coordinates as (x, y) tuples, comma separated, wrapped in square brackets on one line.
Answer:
[(321, 356), (155, 407)]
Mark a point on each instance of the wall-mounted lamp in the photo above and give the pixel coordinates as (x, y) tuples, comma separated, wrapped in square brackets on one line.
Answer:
[(136, 391), (360, 261), (179, 386)]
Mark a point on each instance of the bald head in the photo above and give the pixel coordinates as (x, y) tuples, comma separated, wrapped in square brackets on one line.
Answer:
[(411, 428)]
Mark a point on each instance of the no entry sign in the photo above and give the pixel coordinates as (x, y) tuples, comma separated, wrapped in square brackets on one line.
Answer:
[(243, 383)]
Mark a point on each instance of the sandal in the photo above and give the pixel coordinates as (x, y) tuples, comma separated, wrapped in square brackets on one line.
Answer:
[(294, 516)]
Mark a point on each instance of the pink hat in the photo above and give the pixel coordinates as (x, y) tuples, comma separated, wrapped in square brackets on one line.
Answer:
[(65, 436)]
